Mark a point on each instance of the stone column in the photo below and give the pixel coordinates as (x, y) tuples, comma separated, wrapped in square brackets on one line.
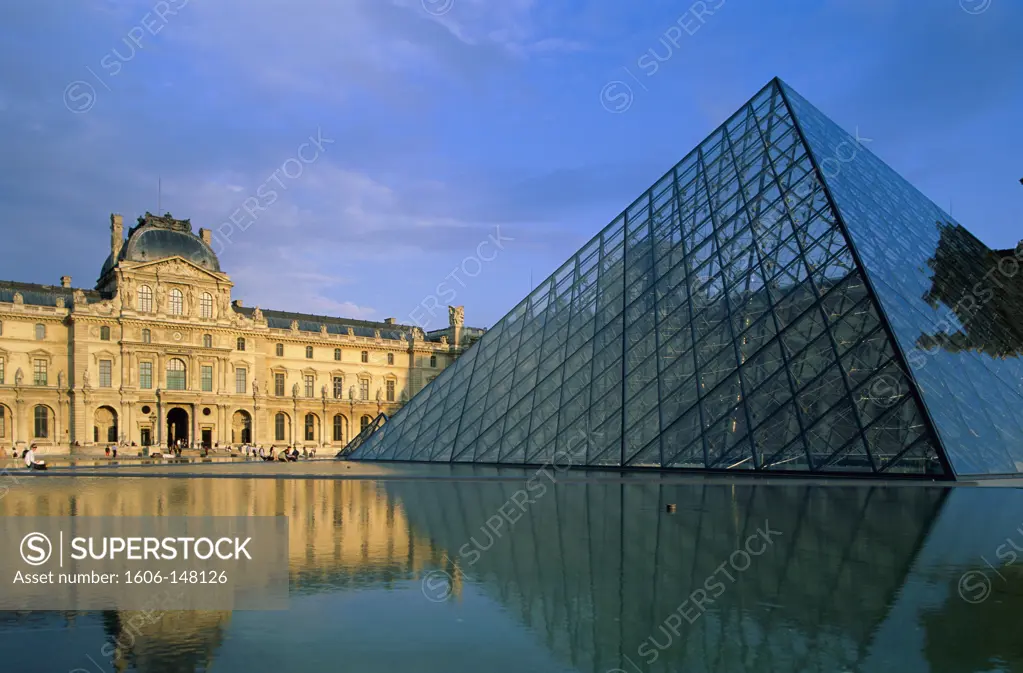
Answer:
[(294, 424), (161, 423), (19, 409), (196, 437)]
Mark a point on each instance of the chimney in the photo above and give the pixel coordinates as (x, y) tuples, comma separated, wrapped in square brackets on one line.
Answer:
[(116, 235), (65, 281), (388, 321), (237, 303), (206, 235)]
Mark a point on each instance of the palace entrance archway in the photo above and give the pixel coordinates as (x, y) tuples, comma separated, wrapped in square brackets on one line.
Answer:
[(177, 426)]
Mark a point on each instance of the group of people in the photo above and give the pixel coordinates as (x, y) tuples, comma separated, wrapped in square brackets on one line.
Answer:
[(289, 453)]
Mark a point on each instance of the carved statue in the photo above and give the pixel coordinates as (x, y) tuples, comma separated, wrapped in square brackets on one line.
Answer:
[(404, 396), (444, 340), (380, 395), (18, 298), (323, 392), (60, 379), (19, 376), (294, 325), (456, 315), (255, 387), (376, 334), (85, 379), (191, 300), (225, 303), (351, 332), (294, 390), (351, 392), (417, 334), (60, 302), (257, 315), (79, 297), (161, 299)]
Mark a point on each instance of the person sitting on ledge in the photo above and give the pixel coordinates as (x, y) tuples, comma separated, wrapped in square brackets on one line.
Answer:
[(30, 459)]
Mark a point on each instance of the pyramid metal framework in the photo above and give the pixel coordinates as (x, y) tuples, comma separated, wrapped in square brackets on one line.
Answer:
[(763, 306)]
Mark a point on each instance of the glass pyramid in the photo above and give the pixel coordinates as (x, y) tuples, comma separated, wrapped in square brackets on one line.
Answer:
[(773, 303)]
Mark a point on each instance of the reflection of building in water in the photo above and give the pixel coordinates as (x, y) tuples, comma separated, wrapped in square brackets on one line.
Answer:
[(163, 643), (341, 534), (335, 526), (983, 288), (596, 570)]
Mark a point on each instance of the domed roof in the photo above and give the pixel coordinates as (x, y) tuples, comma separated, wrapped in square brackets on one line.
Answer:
[(162, 237)]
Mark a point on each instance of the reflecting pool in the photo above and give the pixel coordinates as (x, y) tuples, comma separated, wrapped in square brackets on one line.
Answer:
[(527, 573)]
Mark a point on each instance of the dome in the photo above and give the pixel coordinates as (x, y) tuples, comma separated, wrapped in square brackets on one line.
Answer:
[(160, 238)]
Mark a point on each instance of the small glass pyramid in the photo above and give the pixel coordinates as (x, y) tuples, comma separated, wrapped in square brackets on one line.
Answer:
[(780, 301)]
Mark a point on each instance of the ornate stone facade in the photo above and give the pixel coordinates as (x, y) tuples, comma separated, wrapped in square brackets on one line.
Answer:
[(160, 352)]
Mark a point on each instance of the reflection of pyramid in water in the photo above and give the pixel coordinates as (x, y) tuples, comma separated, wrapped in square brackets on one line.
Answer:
[(752, 311)]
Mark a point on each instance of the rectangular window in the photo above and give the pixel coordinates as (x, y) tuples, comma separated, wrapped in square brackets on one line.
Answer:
[(279, 385), (39, 372), (364, 389), (206, 372), (1, 371), (390, 391), (339, 385), (105, 370), (310, 383), (146, 375), (241, 380), (40, 332)]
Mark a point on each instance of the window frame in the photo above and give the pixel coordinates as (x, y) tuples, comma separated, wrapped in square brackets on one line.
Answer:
[(206, 305), (175, 302), (106, 378), (40, 372), (182, 373), (241, 380), (144, 299), (206, 383), (145, 379)]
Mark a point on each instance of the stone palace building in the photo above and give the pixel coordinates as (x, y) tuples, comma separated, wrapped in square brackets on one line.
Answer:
[(158, 352)]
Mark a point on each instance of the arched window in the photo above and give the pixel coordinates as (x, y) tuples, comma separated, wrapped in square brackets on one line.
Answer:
[(309, 352), (364, 422), (177, 302), (145, 299), (147, 336), (241, 343), (339, 428), (207, 341), (365, 356), (104, 333), (280, 350), (175, 374), (337, 354), (390, 358), (3, 423), (42, 422), (40, 332), (279, 427), (433, 360), (206, 305), (310, 428)]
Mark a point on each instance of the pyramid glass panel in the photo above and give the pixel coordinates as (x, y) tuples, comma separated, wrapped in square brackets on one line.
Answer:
[(755, 310), (954, 306)]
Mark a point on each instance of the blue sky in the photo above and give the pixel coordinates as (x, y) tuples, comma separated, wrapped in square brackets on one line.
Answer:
[(456, 120)]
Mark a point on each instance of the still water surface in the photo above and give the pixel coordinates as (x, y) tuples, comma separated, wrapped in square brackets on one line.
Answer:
[(595, 576)]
